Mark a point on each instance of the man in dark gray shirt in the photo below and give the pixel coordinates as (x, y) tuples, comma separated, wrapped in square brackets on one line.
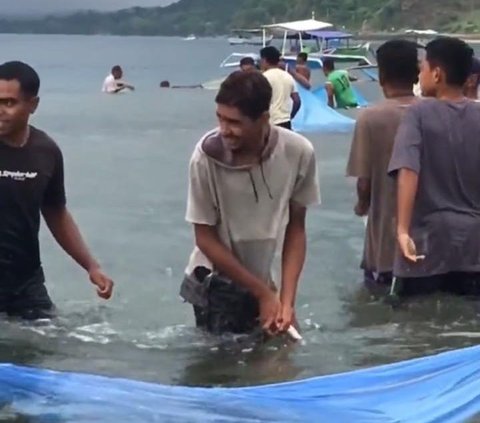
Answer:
[(436, 159)]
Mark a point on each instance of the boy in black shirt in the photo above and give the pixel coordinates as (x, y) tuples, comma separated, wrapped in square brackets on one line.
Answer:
[(31, 182)]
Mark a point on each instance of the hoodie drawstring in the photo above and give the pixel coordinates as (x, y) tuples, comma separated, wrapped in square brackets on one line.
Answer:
[(265, 181), (253, 185), (252, 180)]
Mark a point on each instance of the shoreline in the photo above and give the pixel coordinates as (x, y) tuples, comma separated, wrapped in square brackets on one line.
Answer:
[(383, 36), (364, 36)]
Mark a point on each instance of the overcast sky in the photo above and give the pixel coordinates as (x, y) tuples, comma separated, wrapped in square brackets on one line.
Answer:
[(28, 7)]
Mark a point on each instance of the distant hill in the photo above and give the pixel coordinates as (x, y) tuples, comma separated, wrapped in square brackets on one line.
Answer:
[(214, 17)]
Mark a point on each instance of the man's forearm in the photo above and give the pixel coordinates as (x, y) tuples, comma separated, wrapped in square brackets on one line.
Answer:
[(293, 260), (66, 233), (407, 185), (296, 107), (302, 80), (224, 261)]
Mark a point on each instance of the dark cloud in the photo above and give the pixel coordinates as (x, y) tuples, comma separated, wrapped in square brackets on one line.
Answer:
[(28, 7)]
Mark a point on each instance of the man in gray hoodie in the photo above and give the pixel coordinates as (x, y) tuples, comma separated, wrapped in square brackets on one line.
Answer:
[(250, 186)]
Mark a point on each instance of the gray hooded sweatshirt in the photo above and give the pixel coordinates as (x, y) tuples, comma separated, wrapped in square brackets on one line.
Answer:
[(249, 205)]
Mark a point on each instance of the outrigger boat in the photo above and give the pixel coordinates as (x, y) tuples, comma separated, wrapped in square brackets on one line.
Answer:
[(300, 32)]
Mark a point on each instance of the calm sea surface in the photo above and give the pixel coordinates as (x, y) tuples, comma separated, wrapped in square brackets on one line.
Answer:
[(126, 173)]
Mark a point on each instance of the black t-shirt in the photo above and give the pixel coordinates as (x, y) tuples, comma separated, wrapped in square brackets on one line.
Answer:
[(30, 177)]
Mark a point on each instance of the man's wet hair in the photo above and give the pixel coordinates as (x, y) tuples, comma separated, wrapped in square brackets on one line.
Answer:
[(398, 62), (165, 84), (303, 56), (26, 76), (271, 55), (117, 68), (329, 63), (453, 56), (249, 92), (247, 61)]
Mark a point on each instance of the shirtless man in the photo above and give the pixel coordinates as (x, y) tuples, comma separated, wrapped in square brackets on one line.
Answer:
[(301, 72)]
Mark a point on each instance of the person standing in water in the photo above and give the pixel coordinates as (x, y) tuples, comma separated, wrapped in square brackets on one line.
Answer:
[(250, 185), (285, 99), (301, 72), (435, 161), (247, 64), (370, 155), (114, 83), (339, 89), (470, 90), (32, 183)]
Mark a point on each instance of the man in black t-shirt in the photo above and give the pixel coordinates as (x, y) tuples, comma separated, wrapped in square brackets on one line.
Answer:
[(32, 183)]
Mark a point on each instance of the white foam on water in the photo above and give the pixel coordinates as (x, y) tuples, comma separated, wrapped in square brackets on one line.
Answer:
[(90, 339), (471, 335)]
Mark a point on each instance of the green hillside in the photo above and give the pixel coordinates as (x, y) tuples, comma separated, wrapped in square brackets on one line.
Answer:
[(212, 17)]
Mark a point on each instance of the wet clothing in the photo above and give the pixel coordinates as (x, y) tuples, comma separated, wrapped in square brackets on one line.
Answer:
[(370, 155), (439, 141), (342, 88), (248, 205), (229, 308), (25, 297), (457, 283), (31, 177)]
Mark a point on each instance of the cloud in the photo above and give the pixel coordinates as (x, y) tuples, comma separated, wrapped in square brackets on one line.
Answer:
[(29, 7)]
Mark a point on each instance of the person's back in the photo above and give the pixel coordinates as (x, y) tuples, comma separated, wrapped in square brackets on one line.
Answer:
[(285, 99), (436, 160), (344, 95), (283, 85), (448, 189), (371, 151), (370, 155)]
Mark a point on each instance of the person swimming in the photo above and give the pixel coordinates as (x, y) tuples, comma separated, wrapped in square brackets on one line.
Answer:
[(166, 84), (247, 64), (114, 83)]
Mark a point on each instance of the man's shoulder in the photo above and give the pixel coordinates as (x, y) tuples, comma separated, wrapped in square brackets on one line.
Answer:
[(294, 141), (384, 110), (42, 140)]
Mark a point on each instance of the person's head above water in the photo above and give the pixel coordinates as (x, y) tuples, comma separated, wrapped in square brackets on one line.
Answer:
[(117, 72), (243, 104), (269, 57), (470, 89), (247, 64), (328, 66), (397, 66), (302, 58), (165, 84), (19, 87), (446, 67)]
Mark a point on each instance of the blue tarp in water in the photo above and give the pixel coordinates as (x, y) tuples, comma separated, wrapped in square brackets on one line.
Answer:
[(440, 389), (315, 116), (321, 94)]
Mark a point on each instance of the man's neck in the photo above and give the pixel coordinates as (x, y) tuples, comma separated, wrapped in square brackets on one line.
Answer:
[(397, 92), (251, 156), (450, 93), (472, 94), (17, 139)]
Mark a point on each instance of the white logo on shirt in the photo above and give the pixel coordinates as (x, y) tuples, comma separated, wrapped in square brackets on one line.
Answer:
[(17, 175)]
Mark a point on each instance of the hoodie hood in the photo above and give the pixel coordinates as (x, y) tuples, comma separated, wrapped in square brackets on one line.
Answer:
[(214, 146)]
